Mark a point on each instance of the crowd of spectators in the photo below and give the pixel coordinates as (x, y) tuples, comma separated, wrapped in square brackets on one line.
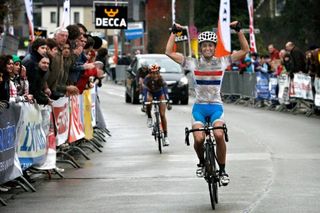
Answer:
[(53, 67), (288, 60)]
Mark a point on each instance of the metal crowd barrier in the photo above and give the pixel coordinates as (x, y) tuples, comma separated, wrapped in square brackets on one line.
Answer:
[(239, 86), (121, 73), (251, 88)]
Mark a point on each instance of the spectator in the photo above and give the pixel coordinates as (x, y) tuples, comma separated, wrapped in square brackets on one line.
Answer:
[(297, 58), (102, 55), (255, 61), (20, 78), (68, 61), (264, 65), (52, 48), (38, 49), (24, 82), (57, 81), (5, 82), (273, 52), (249, 66), (287, 63), (124, 60), (84, 79), (112, 66), (74, 34), (37, 81)]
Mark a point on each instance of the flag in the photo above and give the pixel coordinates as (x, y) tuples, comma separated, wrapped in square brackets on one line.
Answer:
[(253, 47), (173, 10), (28, 4), (66, 14), (224, 38)]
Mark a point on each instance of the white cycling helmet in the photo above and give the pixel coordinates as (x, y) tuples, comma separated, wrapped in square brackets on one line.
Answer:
[(207, 36), (144, 63)]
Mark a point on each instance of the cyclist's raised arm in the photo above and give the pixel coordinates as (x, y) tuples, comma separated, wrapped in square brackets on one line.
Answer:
[(243, 42), (177, 57)]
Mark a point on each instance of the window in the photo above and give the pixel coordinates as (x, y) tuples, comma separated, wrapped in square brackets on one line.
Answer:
[(76, 17), (53, 17)]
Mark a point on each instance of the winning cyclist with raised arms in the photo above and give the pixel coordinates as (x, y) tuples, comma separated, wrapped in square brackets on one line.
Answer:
[(207, 73)]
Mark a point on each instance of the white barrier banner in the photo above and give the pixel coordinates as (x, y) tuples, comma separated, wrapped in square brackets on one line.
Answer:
[(301, 87), (317, 87), (48, 128), (283, 94), (61, 114), (32, 143)]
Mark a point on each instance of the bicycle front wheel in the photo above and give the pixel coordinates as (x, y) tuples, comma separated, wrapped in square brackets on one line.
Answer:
[(158, 133), (211, 175), (159, 142)]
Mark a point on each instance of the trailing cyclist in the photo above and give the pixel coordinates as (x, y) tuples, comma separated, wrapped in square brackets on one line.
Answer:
[(141, 74), (156, 88), (207, 72)]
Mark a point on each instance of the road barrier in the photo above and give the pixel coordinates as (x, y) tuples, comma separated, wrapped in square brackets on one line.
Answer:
[(34, 136), (121, 73), (252, 88)]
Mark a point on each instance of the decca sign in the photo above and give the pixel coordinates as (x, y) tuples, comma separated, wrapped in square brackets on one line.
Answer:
[(111, 17), (181, 36)]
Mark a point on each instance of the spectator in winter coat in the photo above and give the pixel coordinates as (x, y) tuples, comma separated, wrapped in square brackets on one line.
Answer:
[(297, 58)]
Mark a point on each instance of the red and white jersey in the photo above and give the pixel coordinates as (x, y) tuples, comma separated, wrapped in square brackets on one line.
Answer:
[(207, 77)]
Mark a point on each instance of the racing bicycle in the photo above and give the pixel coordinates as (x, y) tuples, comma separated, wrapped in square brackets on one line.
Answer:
[(211, 172), (157, 130)]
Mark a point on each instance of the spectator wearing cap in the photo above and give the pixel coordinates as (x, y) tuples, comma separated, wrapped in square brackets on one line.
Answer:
[(20, 78), (38, 49), (249, 66)]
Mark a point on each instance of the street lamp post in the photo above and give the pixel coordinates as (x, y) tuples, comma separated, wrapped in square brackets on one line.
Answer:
[(58, 13)]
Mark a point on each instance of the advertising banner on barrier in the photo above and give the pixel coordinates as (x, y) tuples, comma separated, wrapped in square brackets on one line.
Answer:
[(61, 115), (283, 94), (9, 167), (32, 143), (76, 126), (93, 106), (273, 84), (51, 158), (48, 128), (317, 88), (262, 86), (301, 87), (87, 106)]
